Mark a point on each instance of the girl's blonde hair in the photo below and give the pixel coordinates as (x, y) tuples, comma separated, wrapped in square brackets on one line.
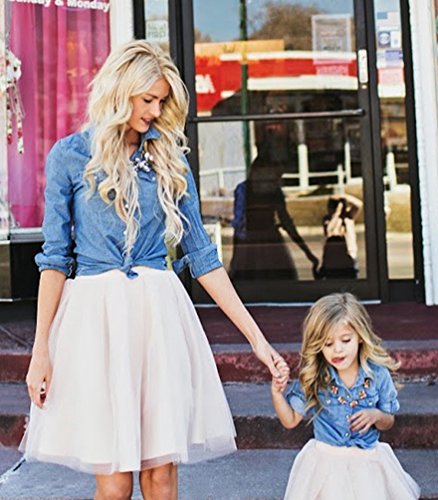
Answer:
[(324, 315), (131, 70)]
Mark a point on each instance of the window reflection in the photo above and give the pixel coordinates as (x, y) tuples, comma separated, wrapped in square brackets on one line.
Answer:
[(261, 216), (156, 13), (258, 45), (282, 219), (392, 92)]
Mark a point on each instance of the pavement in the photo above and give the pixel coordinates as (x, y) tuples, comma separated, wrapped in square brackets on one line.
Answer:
[(244, 475)]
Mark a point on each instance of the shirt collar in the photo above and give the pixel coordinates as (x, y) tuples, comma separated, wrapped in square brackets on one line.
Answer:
[(151, 133), (337, 380)]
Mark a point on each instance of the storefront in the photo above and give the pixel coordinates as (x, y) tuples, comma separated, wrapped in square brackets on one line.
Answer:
[(311, 135)]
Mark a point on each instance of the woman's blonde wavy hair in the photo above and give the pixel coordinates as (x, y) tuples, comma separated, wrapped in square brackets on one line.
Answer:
[(131, 70), (324, 315)]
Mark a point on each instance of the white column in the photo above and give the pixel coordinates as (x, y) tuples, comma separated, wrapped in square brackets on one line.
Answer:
[(303, 166), (121, 22), (424, 52), (391, 171), (347, 161)]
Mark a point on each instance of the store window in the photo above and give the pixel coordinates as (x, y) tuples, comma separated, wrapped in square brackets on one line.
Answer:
[(392, 95), (272, 186), (156, 13), (54, 48)]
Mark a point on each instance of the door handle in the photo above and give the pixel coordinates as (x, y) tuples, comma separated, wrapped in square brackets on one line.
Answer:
[(362, 65)]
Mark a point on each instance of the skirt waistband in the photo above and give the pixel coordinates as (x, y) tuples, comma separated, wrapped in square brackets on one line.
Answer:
[(140, 270), (343, 450)]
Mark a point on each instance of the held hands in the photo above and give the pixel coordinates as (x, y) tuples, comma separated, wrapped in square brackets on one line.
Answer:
[(39, 376), (363, 420), (279, 383), (269, 357)]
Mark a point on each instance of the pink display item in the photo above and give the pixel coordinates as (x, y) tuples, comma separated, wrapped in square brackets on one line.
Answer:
[(60, 51)]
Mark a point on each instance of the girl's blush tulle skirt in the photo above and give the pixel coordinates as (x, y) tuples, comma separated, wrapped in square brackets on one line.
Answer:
[(325, 472), (134, 381)]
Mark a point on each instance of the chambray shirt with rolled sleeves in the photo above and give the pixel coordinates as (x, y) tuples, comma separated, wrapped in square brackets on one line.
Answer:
[(96, 243), (332, 424)]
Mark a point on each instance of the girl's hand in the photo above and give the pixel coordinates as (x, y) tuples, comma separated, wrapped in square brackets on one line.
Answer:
[(268, 356), (39, 376), (364, 419), (279, 383)]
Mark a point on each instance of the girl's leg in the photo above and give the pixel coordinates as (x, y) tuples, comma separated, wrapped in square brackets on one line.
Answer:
[(117, 486), (160, 483)]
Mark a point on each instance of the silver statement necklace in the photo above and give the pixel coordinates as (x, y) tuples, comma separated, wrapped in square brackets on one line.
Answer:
[(142, 161)]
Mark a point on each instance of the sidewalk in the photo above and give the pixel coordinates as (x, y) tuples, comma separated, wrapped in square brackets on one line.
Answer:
[(245, 475)]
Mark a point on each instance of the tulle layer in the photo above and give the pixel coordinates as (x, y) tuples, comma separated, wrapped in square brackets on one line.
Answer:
[(324, 472), (134, 380)]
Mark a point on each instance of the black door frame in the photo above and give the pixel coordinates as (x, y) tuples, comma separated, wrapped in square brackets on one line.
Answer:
[(373, 286), (181, 35)]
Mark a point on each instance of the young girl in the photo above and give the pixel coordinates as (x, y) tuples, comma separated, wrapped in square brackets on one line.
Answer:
[(346, 389), (122, 377)]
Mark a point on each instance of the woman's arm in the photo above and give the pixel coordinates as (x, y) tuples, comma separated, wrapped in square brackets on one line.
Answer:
[(218, 285), (354, 205), (288, 225), (40, 370)]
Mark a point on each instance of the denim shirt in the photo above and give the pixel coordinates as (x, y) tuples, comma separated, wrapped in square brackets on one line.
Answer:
[(96, 243), (332, 424)]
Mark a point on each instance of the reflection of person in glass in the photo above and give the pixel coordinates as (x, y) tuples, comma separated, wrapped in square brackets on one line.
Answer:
[(259, 251), (340, 249)]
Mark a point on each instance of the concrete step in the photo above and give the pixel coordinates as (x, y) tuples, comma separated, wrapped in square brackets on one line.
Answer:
[(244, 475), (236, 362), (257, 427)]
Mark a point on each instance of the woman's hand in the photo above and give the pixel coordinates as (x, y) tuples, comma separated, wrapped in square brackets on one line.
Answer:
[(279, 383), (269, 357), (39, 376)]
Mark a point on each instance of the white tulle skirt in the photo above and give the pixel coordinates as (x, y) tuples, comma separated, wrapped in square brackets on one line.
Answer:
[(134, 382), (324, 472)]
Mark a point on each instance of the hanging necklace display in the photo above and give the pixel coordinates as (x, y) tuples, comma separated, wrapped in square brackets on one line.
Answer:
[(14, 106)]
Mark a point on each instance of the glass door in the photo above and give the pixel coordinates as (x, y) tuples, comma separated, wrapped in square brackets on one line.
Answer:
[(280, 127)]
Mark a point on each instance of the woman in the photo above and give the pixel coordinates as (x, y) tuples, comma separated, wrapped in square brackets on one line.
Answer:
[(121, 377)]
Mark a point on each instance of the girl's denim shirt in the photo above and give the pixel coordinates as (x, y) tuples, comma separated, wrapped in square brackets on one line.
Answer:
[(332, 424), (84, 234)]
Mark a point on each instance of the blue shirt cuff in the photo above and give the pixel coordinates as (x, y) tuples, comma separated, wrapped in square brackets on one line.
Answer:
[(65, 265), (199, 262), (389, 406), (297, 404)]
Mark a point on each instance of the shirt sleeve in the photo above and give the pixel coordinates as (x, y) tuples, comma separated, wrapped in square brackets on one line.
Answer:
[(296, 398), (388, 401), (57, 225), (200, 255)]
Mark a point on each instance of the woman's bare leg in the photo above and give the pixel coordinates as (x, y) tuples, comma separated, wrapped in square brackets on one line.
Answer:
[(160, 483), (117, 486)]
